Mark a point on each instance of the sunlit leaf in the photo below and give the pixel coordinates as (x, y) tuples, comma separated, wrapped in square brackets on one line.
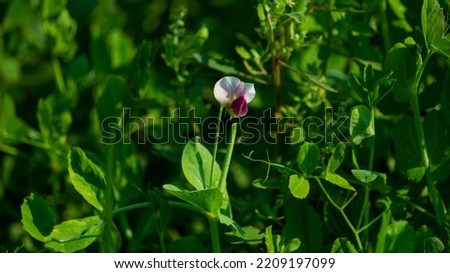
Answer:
[(338, 181), (361, 125), (308, 158), (38, 218), (433, 22), (336, 158), (343, 245), (299, 186)]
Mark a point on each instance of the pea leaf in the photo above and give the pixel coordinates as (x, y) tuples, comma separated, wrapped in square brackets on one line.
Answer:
[(187, 244), (361, 125), (343, 245), (75, 235), (208, 200), (196, 165), (399, 237), (339, 181), (336, 158), (87, 177), (433, 23), (38, 218), (299, 186), (308, 158), (375, 179)]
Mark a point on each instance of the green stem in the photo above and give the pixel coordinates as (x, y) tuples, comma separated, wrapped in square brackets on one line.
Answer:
[(216, 144), (59, 79), (227, 160), (344, 215), (107, 236), (435, 197), (385, 26), (214, 229)]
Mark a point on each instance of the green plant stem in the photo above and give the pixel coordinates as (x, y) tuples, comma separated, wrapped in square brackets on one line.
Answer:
[(214, 229), (148, 204), (435, 197), (385, 26), (107, 214), (227, 160), (59, 79), (344, 215), (216, 144)]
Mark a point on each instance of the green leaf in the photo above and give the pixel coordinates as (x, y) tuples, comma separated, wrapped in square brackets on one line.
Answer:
[(224, 219), (10, 70), (308, 158), (299, 186), (75, 235), (87, 177), (338, 181), (196, 164), (121, 48), (407, 152), (400, 237), (336, 158), (403, 61), (433, 23), (209, 200), (357, 86), (361, 125), (365, 176), (250, 235), (224, 66), (343, 245), (274, 243), (427, 241), (63, 30), (38, 218), (18, 12), (303, 223), (12, 128)]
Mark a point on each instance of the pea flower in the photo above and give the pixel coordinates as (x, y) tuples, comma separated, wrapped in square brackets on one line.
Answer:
[(234, 94)]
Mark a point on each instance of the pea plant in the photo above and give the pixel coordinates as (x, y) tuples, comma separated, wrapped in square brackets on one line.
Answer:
[(303, 126)]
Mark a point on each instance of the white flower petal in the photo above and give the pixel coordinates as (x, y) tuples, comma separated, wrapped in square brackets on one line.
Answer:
[(249, 92), (225, 88)]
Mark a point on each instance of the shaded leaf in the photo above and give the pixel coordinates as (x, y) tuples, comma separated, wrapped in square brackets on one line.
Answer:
[(196, 164), (343, 245), (361, 125), (308, 158), (400, 237), (74, 235), (336, 158), (433, 22), (87, 177), (250, 235), (38, 218), (427, 241), (187, 244), (208, 200)]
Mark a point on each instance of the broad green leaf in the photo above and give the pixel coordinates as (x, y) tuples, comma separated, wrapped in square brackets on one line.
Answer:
[(343, 245), (38, 218), (336, 158), (54, 116), (338, 181), (403, 61), (74, 235), (433, 23), (209, 200), (407, 152), (308, 158), (187, 244), (375, 179), (365, 176), (400, 237), (10, 70), (443, 47), (299, 186), (224, 219), (427, 241), (87, 177), (303, 223), (437, 137), (250, 235), (361, 125), (196, 164)]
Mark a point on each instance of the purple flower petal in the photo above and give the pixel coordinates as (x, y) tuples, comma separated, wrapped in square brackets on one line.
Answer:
[(239, 106)]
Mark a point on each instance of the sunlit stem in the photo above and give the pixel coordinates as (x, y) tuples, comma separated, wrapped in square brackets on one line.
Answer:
[(227, 160), (216, 144)]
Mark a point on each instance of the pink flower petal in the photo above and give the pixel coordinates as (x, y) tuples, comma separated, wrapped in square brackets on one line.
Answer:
[(239, 106), (225, 89)]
